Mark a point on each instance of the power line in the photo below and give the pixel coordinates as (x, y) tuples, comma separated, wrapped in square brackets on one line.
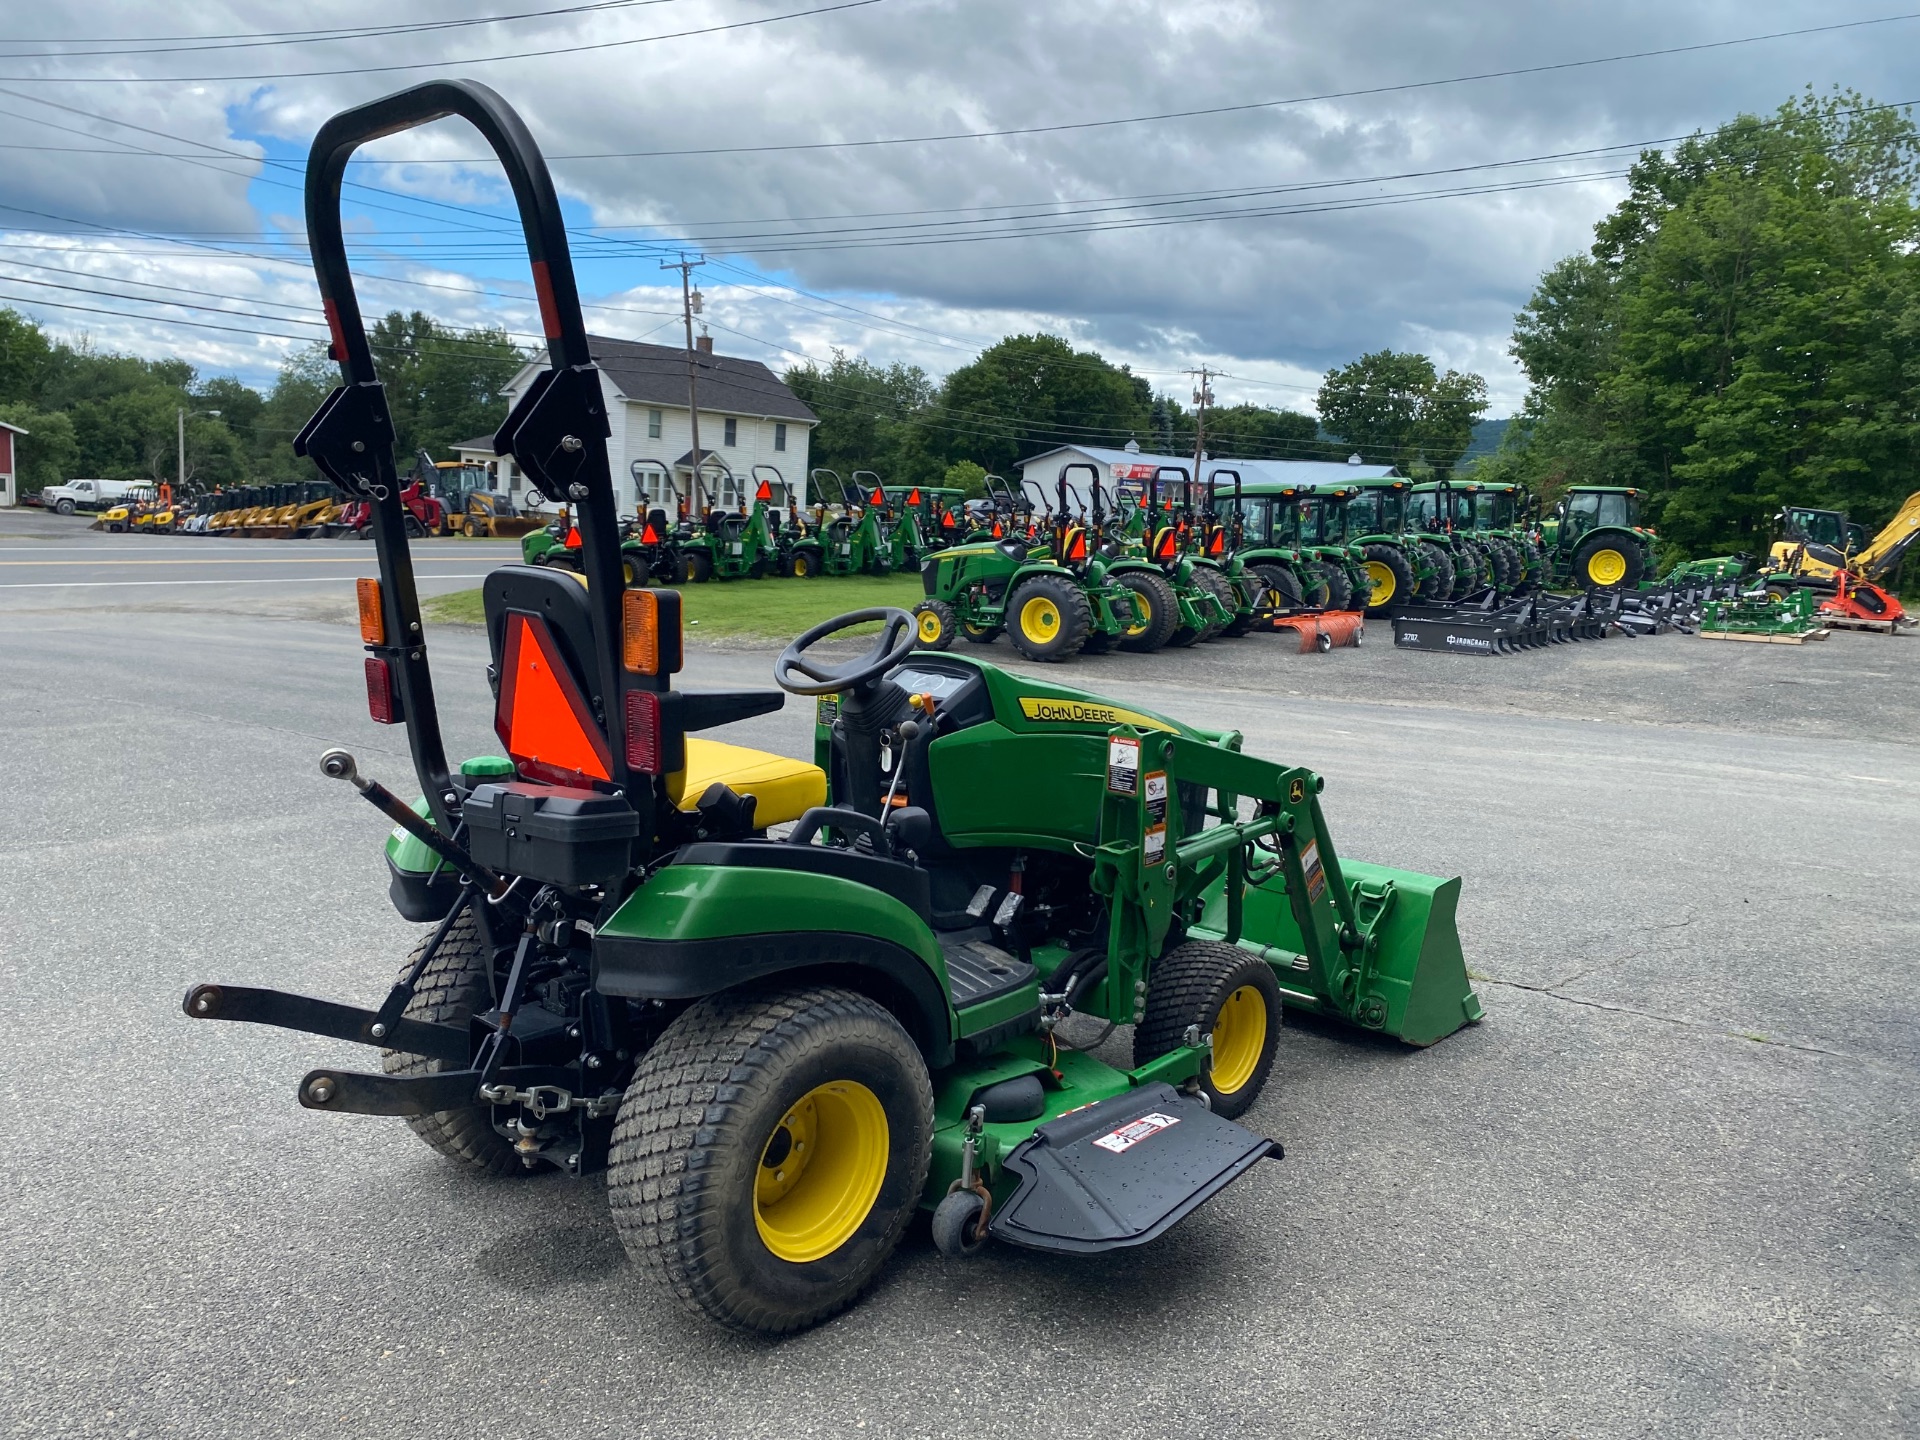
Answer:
[(250, 39), (1165, 115), (442, 64)]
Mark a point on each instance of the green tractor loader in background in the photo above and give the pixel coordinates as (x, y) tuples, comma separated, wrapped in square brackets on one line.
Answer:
[(1400, 566), (778, 1050), (851, 542), (1464, 565), (1595, 540), (1498, 517), (1053, 599), (1205, 600)]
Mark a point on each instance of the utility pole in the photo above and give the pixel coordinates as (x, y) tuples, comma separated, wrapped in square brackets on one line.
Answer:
[(180, 421), (689, 304), (1202, 397)]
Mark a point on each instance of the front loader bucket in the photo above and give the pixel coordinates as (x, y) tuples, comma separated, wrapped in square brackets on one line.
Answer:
[(1407, 978)]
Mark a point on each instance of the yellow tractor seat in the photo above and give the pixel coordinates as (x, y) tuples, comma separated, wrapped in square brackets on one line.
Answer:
[(782, 789)]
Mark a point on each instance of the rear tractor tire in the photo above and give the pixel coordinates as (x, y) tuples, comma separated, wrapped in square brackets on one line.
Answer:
[(1391, 577), (633, 570), (699, 567), (934, 625), (1155, 611), (1604, 563), (456, 984), (1222, 588), (1048, 618), (1339, 588), (1230, 995), (770, 1151), (1445, 581)]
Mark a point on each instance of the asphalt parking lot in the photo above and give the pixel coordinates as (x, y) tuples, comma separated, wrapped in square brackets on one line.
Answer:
[(1667, 1187)]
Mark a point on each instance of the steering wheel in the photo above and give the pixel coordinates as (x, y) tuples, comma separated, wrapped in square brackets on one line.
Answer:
[(799, 676)]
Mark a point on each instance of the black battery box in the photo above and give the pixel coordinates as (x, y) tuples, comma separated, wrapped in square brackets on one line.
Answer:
[(553, 833)]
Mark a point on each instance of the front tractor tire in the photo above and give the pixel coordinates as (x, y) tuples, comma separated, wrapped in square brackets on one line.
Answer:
[(934, 625), (1604, 563), (1230, 995), (769, 1153), (1048, 618), (1390, 576), (456, 985)]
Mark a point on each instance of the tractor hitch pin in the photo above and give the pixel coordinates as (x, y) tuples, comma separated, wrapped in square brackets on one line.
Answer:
[(337, 764)]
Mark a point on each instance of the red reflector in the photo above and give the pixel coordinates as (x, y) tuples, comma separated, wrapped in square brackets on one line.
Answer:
[(996, 530), (573, 537), (1219, 541), (649, 536), (542, 717), (643, 732), (947, 520), (1078, 550), (876, 498), (765, 492), (382, 704), (913, 496)]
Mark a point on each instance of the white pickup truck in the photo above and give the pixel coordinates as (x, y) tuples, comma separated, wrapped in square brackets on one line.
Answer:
[(87, 494)]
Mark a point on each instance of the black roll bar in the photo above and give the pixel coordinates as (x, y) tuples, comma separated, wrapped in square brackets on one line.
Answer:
[(556, 433)]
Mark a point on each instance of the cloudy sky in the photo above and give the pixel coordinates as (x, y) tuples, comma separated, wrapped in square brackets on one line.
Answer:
[(1371, 174)]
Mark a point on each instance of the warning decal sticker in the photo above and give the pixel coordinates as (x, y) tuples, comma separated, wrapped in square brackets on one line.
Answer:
[(1134, 1131), (1123, 766), (1156, 797), (1156, 843), (1316, 873)]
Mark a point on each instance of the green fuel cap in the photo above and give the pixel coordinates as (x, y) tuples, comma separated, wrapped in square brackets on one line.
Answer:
[(486, 767)]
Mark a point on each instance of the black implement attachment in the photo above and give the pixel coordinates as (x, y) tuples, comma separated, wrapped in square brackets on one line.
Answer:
[(1122, 1171), (1483, 624)]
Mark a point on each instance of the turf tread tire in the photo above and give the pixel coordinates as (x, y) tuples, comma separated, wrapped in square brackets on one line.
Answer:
[(1187, 986), (713, 1076), (456, 983), (1163, 608)]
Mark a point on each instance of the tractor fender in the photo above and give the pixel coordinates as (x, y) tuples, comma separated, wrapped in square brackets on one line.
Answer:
[(695, 930)]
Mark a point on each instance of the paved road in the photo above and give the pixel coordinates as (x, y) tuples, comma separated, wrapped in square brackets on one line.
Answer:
[(51, 563), (1667, 1188)]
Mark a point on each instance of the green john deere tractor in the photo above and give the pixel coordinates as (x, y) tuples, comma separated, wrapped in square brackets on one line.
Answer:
[(780, 1049), (1162, 532), (1499, 517), (851, 542), (934, 511), (1053, 599), (1595, 539), (1401, 565), (1265, 539)]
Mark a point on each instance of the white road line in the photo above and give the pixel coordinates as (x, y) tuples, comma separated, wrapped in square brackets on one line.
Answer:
[(129, 584), (282, 560)]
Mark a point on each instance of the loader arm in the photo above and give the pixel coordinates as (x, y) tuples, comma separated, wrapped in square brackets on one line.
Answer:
[(1883, 554)]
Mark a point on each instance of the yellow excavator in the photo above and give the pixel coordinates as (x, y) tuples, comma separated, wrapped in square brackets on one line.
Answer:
[(1822, 550)]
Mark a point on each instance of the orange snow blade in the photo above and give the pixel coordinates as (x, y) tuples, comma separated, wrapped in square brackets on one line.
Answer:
[(765, 492), (542, 717)]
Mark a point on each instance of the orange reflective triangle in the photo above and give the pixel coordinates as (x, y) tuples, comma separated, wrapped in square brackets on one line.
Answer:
[(573, 537), (947, 521), (997, 532), (877, 498), (649, 536), (1219, 540), (765, 492), (913, 496), (1078, 549), (542, 718)]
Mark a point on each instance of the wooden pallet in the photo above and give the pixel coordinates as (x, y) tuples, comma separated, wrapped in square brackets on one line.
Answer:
[(1799, 639), (1848, 622)]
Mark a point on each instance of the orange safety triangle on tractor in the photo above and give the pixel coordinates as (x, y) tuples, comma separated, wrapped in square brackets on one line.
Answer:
[(542, 717), (764, 493)]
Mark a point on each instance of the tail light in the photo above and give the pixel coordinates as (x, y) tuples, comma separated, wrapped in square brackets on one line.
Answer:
[(373, 621), (383, 701), (643, 731)]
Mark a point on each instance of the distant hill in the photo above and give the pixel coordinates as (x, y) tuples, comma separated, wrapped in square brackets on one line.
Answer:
[(1486, 439)]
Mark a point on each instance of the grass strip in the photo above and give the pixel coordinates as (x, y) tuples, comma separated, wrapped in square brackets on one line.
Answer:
[(771, 609)]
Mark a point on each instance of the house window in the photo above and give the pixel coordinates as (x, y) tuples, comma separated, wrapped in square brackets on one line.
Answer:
[(733, 431), (780, 435), (653, 424)]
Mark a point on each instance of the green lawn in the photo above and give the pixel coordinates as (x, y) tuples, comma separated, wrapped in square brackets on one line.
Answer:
[(763, 609)]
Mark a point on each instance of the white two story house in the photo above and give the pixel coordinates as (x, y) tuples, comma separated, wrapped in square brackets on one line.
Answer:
[(748, 419)]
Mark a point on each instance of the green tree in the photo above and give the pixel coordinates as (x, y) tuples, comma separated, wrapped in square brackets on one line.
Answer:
[(24, 353), (872, 417), (1744, 331), (48, 453), (1029, 393), (1396, 409), (443, 384), (966, 476)]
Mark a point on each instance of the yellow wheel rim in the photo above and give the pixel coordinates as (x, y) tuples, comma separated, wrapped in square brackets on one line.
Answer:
[(929, 627), (801, 567), (1142, 613), (1040, 619), (1606, 567), (1239, 1035), (1383, 582), (820, 1171)]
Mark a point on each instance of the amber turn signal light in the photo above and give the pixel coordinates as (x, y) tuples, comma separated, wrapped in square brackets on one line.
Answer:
[(373, 620)]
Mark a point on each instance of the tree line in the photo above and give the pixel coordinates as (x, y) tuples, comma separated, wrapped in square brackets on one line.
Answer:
[(94, 413), (1743, 333), (1028, 394)]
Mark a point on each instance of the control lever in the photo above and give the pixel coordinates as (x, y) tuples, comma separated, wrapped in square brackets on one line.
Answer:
[(906, 730), (337, 764)]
